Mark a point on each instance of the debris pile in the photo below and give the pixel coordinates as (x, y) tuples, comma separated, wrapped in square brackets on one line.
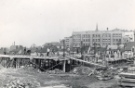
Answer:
[(106, 74), (22, 83), (55, 71), (1, 67), (82, 70)]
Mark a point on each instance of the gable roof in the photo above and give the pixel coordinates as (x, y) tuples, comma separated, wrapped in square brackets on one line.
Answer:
[(129, 46)]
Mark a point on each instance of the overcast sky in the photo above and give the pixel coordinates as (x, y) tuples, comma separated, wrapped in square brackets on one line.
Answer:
[(30, 22)]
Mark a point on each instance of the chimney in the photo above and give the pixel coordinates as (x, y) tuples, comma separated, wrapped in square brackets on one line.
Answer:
[(134, 35), (96, 27), (107, 28), (14, 43)]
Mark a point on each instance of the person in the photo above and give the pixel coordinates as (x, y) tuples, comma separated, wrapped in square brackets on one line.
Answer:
[(41, 55), (24, 50), (77, 51), (53, 51), (48, 51), (68, 50)]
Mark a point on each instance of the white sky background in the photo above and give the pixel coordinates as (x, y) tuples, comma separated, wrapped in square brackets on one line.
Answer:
[(40, 21)]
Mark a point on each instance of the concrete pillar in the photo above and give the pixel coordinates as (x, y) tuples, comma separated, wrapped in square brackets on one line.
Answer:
[(64, 66)]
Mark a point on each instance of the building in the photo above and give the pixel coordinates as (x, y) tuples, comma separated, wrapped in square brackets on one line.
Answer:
[(102, 38), (130, 46), (68, 42), (129, 50), (4, 50), (57, 44)]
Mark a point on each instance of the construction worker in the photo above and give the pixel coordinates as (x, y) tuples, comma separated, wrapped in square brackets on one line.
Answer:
[(68, 50), (48, 51), (53, 51)]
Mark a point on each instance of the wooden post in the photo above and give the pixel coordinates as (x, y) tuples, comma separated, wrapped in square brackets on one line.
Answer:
[(64, 66), (64, 62)]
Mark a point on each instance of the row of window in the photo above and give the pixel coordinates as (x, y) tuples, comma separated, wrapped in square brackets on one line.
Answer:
[(97, 35), (106, 35), (86, 40), (116, 40), (106, 39), (96, 40), (117, 34), (86, 36), (106, 43)]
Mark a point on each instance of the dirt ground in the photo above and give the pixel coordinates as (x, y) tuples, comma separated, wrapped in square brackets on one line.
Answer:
[(43, 79)]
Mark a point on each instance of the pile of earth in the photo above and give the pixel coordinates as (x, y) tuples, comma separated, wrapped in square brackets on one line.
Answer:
[(18, 78), (82, 70), (22, 83)]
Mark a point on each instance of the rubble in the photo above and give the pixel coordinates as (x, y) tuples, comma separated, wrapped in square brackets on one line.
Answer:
[(106, 74), (22, 83), (82, 70)]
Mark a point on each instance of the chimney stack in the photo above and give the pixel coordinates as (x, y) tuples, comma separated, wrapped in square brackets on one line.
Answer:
[(96, 27), (107, 28)]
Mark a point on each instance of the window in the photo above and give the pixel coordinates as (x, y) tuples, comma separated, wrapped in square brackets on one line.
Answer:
[(119, 40)]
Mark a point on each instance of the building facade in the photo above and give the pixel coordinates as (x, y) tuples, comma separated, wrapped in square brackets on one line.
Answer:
[(68, 42), (102, 38)]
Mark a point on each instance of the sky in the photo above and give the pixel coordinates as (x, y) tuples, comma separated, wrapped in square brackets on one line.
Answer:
[(37, 22)]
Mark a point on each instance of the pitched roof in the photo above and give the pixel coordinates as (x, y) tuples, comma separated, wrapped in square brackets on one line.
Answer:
[(129, 46)]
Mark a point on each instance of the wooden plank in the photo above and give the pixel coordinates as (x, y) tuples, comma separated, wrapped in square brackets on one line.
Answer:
[(32, 57), (70, 57), (127, 75), (127, 80), (127, 84)]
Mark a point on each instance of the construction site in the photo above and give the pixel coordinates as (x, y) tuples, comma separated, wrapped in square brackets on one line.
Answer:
[(64, 71)]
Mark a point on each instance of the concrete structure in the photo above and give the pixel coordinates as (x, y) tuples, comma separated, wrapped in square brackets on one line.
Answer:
[(102, 38)]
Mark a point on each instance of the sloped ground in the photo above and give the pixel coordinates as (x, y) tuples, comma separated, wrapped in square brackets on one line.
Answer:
[(32, 78)]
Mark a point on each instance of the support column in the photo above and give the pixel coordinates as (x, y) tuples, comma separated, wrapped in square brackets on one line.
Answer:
[(64, 65), (64, 62)]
